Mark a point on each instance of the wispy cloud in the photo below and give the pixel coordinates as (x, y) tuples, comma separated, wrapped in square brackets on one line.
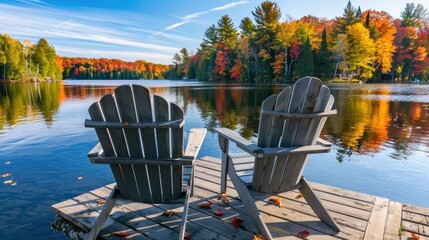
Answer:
[(79, 28), (187, 19)]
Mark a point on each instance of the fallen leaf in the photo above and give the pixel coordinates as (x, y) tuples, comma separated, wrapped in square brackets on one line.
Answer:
[(187, 236), (224, 197), (236, 222), (7, 163), (79, 178), (122, 234), (277, 201), (400, 231), (415, 236), (10, 181), (258, 237), (218, 212), (100, 201), (5, 175), (205, 204), (170, 213), (303, 234), (298, 196)]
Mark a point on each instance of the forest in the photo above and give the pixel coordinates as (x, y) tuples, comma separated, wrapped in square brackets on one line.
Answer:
[(27, 61), (368, 46)]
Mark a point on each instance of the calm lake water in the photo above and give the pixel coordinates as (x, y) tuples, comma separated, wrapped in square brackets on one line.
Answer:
[(380, 135)]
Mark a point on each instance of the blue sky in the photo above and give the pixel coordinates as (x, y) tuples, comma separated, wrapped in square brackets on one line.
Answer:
[(149, 30)]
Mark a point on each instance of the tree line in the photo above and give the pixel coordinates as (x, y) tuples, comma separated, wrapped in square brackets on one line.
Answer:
[(25, 61), (28, 61), (365, 45), (103, 68)]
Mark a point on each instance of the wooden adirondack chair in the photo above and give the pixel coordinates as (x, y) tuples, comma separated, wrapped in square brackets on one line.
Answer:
[(144, 149), (289, 130)]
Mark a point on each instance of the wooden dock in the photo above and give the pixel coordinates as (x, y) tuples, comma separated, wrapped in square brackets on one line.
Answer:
[(360, 216)]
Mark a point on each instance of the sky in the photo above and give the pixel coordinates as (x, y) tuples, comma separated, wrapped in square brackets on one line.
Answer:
[(150, 30)]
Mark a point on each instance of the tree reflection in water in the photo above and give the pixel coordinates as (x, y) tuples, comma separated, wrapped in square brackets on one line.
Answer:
[(367, 122)]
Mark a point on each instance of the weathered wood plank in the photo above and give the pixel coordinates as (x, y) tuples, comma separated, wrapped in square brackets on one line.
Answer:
[(297, 209), (154, 212), (377, 220), (416, 209), (393, 221)]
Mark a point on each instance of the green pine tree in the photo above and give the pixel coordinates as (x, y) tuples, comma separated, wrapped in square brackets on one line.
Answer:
[(323, 63), (305, 65)]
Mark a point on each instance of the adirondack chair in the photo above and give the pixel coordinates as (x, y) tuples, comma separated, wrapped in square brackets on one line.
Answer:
[(144, 149), (289, 129)]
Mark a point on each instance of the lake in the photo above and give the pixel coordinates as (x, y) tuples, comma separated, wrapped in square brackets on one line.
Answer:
[(380, 136)]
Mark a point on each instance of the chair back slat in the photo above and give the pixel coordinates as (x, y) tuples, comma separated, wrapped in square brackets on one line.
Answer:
[(263, 140), (132, 104), (163, 142), (144, 114), (142, 100), (107, 145), (176, 113), (108, 107), (125, 103), (282, 105), (282, 173)]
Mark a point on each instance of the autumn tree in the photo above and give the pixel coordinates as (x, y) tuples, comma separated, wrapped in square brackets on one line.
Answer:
[(360, 51), (2, 56), (220, 69), (14, 66), (383, 32)]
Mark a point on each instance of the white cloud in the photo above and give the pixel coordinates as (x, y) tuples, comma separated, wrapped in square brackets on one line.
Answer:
[(78, 28), (187, 19)]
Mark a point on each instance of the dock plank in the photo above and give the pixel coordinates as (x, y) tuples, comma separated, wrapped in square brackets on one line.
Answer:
[(377, 220), (359, 215), (393, 221)]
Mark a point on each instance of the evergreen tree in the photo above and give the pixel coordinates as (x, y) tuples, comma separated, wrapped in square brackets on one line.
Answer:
[(367, 20), (348, 18), (247, 27), (305, 65), (210, 38), (358, 14), (323, 67), (226, 32), (267, 20)]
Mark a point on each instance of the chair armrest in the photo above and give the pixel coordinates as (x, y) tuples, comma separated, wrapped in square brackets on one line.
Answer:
[(142, 161), (308, 149), (96, 151), (323, 142), (321, 146), (195, 139), (241, 142)]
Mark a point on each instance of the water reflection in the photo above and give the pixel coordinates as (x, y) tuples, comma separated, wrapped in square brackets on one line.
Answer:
[(370, 119), (29, 101)]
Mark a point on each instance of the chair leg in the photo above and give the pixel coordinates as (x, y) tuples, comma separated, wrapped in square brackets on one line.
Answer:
[(224, 146), (248, 202), (185, 214), (104, 214), (314, 202)]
